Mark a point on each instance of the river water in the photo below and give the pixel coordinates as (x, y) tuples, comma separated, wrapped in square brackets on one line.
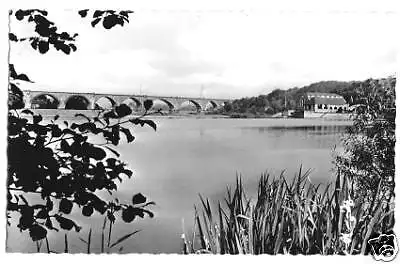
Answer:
[(187, 157)]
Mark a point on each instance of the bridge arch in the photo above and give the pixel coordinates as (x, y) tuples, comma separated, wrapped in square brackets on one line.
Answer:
[(104, 102), (133, 103), (162, 104), (210, 105), (186, 105), (45, 101), (77, 102)]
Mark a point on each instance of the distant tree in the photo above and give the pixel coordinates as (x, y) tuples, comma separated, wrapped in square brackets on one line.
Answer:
[(253, 109), (268, 110), (227, 107), (55, 166)]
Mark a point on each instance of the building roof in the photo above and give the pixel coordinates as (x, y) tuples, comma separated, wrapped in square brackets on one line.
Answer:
[(327, 95), (324, 98)]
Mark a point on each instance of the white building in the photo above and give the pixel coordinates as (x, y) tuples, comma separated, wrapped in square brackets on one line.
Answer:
[(324, 103)]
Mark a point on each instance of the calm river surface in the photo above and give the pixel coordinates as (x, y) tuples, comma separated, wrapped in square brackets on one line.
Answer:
[(186, 157)]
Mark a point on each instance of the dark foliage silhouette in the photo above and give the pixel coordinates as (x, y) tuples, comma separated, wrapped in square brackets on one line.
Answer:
[(58, 162), (110, 18), (56, 167)]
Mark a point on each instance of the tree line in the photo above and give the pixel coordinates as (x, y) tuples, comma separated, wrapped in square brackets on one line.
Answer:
[(279, 100)]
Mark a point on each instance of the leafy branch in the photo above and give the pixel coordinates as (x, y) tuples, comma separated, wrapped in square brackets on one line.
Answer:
[(59, 162)]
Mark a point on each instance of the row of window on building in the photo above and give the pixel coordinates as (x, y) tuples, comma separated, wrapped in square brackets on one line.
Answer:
[(321, 106)]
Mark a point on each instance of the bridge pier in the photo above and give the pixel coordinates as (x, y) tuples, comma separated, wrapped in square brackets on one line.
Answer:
[(61, 105), (27, 100)]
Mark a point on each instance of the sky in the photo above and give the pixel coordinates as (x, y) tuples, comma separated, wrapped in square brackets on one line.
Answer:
[(212, 53)]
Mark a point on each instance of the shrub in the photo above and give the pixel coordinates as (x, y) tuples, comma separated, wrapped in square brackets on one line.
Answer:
[(368, 159)]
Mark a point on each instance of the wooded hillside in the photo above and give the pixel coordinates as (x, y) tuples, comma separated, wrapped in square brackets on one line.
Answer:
[(274, 102)]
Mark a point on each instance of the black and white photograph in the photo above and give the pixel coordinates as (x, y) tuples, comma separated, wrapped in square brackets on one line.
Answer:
[(219, 131)]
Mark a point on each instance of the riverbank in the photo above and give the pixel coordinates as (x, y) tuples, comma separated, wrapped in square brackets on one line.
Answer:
[(70, 114)]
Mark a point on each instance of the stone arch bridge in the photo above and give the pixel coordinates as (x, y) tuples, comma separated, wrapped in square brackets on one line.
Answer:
[(89, 101)]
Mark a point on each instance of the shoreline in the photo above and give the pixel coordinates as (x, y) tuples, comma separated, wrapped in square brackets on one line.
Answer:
[(91, 113)]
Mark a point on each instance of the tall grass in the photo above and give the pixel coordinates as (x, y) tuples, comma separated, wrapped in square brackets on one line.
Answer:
[(293, 217)]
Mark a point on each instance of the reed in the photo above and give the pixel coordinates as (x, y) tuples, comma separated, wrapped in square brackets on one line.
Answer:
[(293, 217)]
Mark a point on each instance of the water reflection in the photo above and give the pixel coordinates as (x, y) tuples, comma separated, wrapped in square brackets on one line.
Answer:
[(315, 130)]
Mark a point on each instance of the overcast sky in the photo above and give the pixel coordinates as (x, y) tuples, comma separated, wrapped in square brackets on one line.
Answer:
[(229, 54)]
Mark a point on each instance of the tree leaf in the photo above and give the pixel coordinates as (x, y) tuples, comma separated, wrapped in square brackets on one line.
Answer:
[(42, 214), (65, 223), (65, 206), (99, 205), (110, 21), (127, 132), (64, 146), (123, 110), (43, 12), (82, 115), (87, 210), (95, 22), (37, 119), (98, 13), (139, 212), (43, 46), (49, 204), (129, 173), (138, 199), (150, 214), (97, 153), (73, 47), (12, 37), (149, 203), (65, 48), (37, 232), (125, 13), (34, 43), (128, 214), (19, 14), (151, 124), (147, 104), (23, 77), (83, 13), (109, 114), (11, 69)]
